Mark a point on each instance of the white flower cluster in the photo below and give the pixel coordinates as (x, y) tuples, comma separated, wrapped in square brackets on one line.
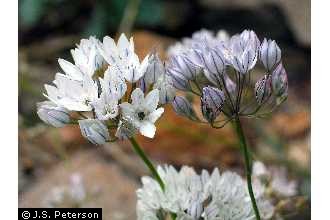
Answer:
[(95, 87), (190, 196)]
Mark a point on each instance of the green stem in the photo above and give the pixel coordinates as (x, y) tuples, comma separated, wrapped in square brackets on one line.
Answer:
[(145, 159), (248, 165), (151, 167)]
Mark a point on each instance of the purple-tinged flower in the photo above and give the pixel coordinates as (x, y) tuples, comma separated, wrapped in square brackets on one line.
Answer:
[(94, 130), (212, 61), (212, 102), (270, 54), (180, 82), (280, 83), (242, 51), (183, 107), (182, 65), (231, 86), (263, 89)]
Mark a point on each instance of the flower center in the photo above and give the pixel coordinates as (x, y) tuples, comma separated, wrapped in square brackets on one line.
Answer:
[(141, 115)]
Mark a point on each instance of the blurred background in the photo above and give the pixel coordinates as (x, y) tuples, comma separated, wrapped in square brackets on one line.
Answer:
[(53, 162)]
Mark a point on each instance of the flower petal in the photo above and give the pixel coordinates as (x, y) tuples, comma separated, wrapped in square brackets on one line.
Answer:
[(71, 70), (151, 100), (147, 129), (137, 97), (155, 115)]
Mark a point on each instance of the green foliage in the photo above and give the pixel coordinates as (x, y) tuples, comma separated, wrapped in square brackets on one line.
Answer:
[(31, 11), (105, 15), (150, 13)]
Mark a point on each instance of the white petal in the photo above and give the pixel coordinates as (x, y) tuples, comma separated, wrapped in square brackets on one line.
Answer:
[(52, 93), (132, 69), (147, 129), (155, 115), (137, 97), (108, 50), (151, 100), (78, 56), (144, 65), (74, 105), (70, 69), (123, 46), (114, 83)]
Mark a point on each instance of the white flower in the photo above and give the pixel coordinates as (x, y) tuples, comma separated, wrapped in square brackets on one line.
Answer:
[(113, 89), (87, 57), (123, 57), (113, 83), (71, 94), (166, 89), (71, 70), (143, 111), (52, 114), (106, 107), (155, 69), (199, 197)]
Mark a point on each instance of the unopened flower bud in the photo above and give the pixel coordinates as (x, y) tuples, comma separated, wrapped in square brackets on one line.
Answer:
[(212, 101), (179, 81), (126, 129), (154, 70), (184, 67), (183, 107), (213, 61), (166, 90), (52, 114), (270, 54), (94, 130), (280, 83), (231, 86), (263, 89)]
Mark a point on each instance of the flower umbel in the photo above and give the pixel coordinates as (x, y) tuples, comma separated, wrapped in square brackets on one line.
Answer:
[(226, 64), (199, 196), (95, 88)]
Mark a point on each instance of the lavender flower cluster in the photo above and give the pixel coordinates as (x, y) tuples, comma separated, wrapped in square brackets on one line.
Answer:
[(218, 69)]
